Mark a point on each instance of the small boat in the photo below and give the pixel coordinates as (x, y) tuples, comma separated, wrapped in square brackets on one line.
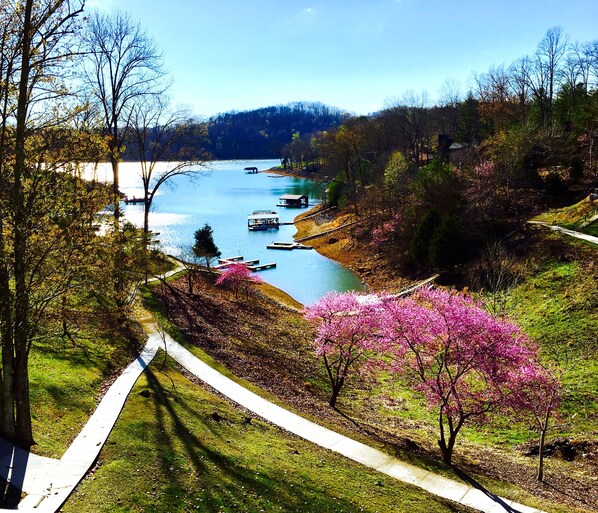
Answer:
[(263, 220)]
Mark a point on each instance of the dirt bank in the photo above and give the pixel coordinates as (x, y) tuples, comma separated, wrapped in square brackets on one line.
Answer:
[(339, 242)]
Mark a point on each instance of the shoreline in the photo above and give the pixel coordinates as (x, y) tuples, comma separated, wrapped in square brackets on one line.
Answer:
[(370, 267)]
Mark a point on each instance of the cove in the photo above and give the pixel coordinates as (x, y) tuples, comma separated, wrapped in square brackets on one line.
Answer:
[(223, 197)]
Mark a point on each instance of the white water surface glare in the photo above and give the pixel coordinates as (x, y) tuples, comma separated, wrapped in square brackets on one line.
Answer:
[(223, 196)]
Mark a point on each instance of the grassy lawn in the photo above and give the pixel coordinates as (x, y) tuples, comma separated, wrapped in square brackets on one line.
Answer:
[(571, 216), (558, 306), (384, 414), (66, 379), (177, 447)]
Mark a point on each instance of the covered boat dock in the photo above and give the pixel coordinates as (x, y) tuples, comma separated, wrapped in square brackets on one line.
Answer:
[(293, 201), (263, 220)]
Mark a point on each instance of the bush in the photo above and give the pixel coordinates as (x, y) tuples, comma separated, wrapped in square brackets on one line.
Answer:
[(335, 194), (419, 247), (554, 185), (448, 245)]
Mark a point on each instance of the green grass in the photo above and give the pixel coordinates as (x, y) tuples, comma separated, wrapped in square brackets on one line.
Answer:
[(65, 382), (571, 216), (558, 307), (393, 408), (591, 229), (183, 449), (168, 454)]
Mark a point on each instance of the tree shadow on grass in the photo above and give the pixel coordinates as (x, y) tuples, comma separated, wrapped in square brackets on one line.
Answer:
[(410, 452), (576, 497), (224, 480), (225, 477), (471, 481)]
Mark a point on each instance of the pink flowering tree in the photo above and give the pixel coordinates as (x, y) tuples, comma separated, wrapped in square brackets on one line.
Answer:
[(388, 234), (238, 277), (465, 361), (346, 327)]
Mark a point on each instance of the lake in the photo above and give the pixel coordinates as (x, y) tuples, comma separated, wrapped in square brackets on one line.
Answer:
[(223, 198)]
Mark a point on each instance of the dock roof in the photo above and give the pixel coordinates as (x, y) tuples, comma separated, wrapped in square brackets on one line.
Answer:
[(295, 197)]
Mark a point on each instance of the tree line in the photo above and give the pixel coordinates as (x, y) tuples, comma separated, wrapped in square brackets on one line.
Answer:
[(439, 182), (256, 134)]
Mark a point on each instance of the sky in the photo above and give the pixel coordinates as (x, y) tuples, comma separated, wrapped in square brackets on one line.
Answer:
[(357, 55)]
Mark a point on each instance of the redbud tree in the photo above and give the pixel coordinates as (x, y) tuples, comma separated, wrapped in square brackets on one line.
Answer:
[(465, 361), (237, 277), (538, 399), (346, 327)]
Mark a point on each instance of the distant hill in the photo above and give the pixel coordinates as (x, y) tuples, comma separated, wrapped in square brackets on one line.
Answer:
[(262, 133), (254, 134)]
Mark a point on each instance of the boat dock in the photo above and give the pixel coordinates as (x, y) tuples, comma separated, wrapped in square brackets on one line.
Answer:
[(253, 265), (288, 245), (263, 220), (262, 267), (293, 201), (133, 200)]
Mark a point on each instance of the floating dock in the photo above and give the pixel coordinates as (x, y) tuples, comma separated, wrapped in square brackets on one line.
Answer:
[(133, 200), (263, 220), (261, 267), (253, 265), (293, 201), (287, 245)]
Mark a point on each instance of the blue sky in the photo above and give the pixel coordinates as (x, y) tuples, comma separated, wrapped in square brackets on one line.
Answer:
[(359, 55)]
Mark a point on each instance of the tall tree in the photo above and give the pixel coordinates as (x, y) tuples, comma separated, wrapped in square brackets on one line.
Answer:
[(124, 66), (36, 223), (546, 71), (409, 119), (344, 156), (204, 246), (159, 136)]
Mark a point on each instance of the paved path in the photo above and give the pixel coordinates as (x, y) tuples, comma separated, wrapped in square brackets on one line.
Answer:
[(571, 233), (49, 482)]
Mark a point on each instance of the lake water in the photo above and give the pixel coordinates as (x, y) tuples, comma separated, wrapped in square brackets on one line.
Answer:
[(223, 198)]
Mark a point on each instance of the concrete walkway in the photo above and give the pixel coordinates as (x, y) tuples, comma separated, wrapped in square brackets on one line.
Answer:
[(49, 482), (571, 233)]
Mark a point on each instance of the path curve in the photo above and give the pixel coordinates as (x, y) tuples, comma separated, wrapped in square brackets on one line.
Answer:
[(49, 482), (566, 231)]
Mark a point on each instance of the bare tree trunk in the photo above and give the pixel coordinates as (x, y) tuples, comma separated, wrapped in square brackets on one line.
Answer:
[(540, 474), (7, 414), (336, 389), (23, 402), (24, 434)]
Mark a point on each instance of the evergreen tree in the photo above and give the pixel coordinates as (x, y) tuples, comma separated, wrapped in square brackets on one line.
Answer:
[(204, 246)]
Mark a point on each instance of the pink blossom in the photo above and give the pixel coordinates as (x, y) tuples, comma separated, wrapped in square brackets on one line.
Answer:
[(346, 327), (237, 276), (464, 361)]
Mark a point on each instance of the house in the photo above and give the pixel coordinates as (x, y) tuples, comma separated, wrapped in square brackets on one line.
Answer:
[(457, 152)]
